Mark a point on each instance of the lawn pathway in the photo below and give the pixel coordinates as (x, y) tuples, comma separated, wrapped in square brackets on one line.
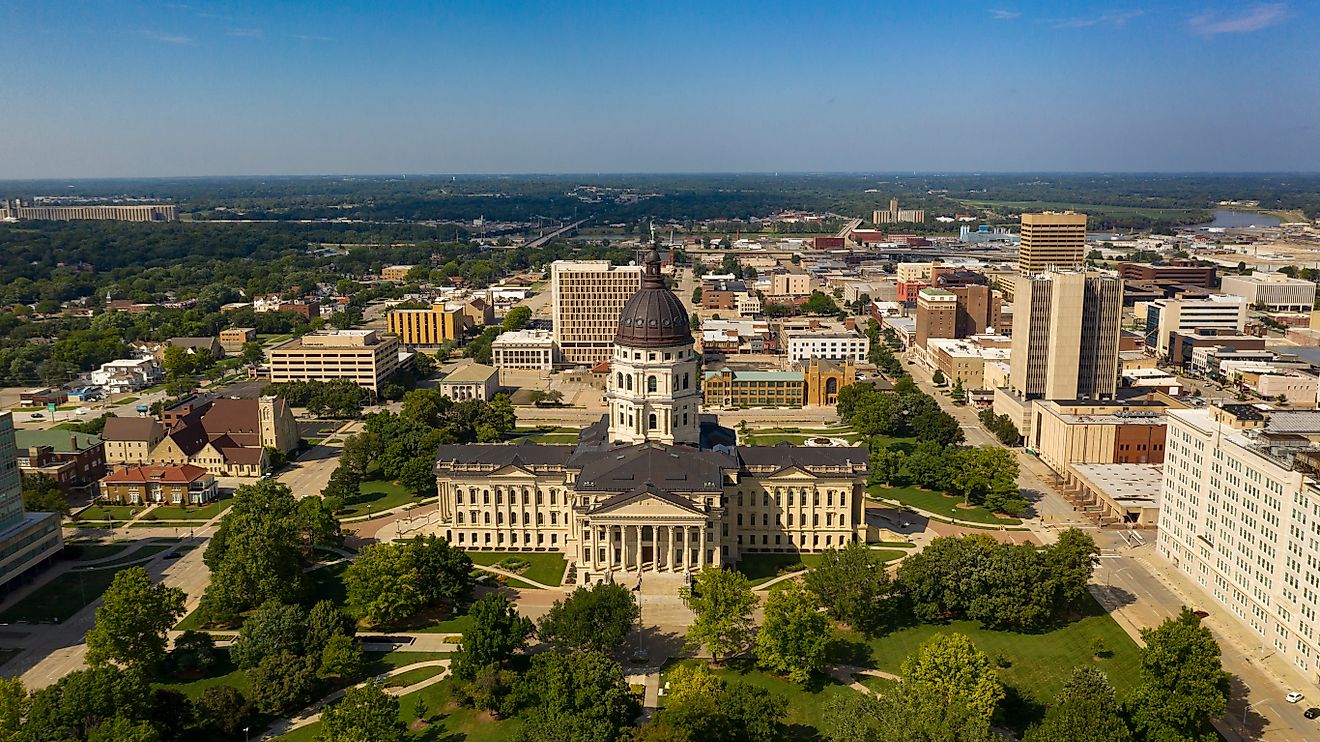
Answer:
[(516, 576), (312, 714)]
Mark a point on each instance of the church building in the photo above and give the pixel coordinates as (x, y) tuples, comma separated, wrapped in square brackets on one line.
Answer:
[(655, 485)]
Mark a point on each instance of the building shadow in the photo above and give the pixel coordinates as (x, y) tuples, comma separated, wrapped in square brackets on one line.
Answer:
[(1240, 716), (1112, 596)]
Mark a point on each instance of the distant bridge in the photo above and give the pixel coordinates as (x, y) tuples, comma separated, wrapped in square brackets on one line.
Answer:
[(566, 229), (849, 227)]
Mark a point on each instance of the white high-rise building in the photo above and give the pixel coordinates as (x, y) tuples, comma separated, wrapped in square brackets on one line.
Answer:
[(26, 539), (1240, 514), (1216, 314)]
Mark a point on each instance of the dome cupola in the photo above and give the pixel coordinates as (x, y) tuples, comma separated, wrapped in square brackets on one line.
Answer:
[(653, 317)]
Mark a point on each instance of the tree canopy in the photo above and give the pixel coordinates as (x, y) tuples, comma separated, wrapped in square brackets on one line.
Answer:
[(132, 621), (598, 618), (722, 604)]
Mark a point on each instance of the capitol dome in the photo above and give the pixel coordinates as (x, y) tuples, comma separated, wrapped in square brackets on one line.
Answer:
[(653, 317)]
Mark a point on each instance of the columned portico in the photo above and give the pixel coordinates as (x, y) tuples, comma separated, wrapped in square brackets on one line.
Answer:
[(650, 547)]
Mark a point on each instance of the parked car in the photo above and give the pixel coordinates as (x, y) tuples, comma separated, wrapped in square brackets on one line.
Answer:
[(1312, 712), (37, 415), (1293, 697)]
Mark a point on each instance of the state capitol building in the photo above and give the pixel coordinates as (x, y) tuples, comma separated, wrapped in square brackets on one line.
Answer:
[(655, 485)]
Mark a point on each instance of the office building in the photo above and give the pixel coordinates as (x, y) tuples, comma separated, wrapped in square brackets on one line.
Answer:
[(1218, 313), (427, 327), (234, 338), (653, 486), (790, 284), (586, 298), (120, 213), (1131, 431), (1052, 241), (361, 356), (1240, 504), (1178, 271), (979, 310), (73, 460), (26, 539), (524, 349), (801, 345), (396, 273), (729, 388), (965, 360), (1065, 336), (937, 315), (1274, 292)]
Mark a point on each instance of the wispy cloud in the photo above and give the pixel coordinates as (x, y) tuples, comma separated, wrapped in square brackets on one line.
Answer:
[(246, 33), (1001, 14), (1110, 18), (167, 38), (1256, 18), (311, 37)]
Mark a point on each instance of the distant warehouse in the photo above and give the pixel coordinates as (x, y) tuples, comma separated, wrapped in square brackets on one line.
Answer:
[(15, 210)]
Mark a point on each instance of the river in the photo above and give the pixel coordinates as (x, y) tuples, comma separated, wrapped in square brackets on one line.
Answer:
[(1232, 218)]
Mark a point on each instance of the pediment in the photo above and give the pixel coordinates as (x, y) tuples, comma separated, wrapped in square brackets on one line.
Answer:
[(646, 503), (792, 473), (511, 471)]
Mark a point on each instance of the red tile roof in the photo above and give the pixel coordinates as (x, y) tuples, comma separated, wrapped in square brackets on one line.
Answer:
[(185, 474)]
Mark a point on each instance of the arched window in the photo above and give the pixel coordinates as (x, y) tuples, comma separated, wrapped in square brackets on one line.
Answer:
[(652, 384), (620, 379), (831, 386), (651, 421), (628, 384)]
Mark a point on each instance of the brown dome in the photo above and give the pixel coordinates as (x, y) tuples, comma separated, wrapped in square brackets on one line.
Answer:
[(653, 317)]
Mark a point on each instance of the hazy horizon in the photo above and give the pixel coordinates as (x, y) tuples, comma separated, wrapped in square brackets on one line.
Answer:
[(130, 89)]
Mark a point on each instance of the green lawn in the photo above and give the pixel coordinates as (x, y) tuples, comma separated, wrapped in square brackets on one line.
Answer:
[(940, 504), (761, 568), (547, 569), (1038, 663), (60, 598), (448, 724), (327, 583), (805, 712), (555, 438), (126, 400), (109, 512), (376, 495), (764, 567), (86, 551), (410, 677), (770, 439), (192, 512)]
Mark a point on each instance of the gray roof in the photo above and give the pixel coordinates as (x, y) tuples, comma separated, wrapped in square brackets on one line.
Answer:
[(525, 453), (1294, 421), (672, 468), (130, 429), (470, 373), (785, 455)]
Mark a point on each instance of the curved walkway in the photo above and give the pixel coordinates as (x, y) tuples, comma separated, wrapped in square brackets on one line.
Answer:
[(946, 519), (312, 714), (516, 576)]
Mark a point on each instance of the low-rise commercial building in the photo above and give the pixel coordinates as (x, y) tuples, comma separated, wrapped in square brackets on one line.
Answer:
[(74, 460), (790, 284), (1217, 313), (427, 327), (1275, 292), (361, 356), (471, 381), (524, 349), (801, 345), (397, 273), (234, 338), (965, 360), (816, 383), (127, 375), (1182, 271), (1127, 494), (1081, 432)]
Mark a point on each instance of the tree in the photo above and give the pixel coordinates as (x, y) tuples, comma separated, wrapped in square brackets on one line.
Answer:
[(986, 476), (902, 714), (14, 704), (253, 353), (222, 709), (722, 602), (516, 319), (886, 463), (950, 668), (85, 699), (701, 706), (41, 494), (578, 696), (853, 586), (342, 658), (282, 682), (123, 729), (274, 628), (389, 582), (1072, 559), (497, 632), (133, 619), (194, 654), (365, 713), (1183, 685), (597, 618), (937, 378), (257, 554), (1085, 710), (794, 634), (324, 622)]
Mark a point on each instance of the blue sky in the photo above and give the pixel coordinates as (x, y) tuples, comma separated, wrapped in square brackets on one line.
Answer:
[(127, 88)]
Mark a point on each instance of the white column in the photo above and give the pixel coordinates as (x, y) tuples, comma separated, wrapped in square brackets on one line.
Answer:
[(702, 559), (609, 547), (638, 549), (669, 550)]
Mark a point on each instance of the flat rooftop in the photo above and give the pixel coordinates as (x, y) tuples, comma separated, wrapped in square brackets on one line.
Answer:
[(1135, 485)]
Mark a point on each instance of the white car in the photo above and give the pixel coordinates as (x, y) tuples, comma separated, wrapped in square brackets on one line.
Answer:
[(1293, 697)]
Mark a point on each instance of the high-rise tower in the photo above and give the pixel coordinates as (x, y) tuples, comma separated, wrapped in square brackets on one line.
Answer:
[(1052, 241), (652, 392)]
